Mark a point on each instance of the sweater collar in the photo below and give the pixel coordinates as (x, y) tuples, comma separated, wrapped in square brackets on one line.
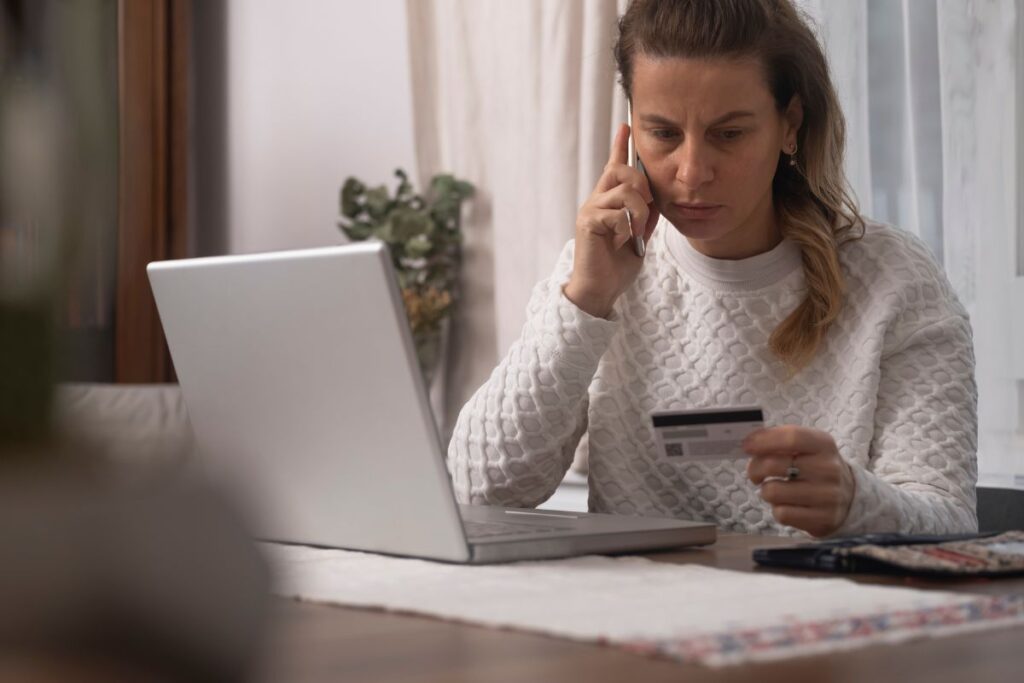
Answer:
[(746, 274)]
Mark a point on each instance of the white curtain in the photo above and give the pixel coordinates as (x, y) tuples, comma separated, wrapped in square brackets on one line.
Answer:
[(933, 95), (520, 98)]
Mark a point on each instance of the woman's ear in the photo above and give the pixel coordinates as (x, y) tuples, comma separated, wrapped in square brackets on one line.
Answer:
[(794, 118)]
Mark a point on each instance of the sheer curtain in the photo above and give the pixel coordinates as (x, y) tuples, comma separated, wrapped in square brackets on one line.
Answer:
[(933, 96), (520, 97)]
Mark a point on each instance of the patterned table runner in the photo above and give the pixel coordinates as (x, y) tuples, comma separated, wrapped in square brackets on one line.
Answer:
[(690, 613)]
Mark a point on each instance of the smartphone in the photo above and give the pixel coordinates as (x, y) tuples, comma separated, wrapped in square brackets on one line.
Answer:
[(633, 159), (639, 248)]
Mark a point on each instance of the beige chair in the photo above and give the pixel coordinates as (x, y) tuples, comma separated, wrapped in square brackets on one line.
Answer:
[(131, 423)]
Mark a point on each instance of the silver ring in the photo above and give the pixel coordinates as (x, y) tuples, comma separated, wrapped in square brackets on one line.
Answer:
[(792, 474)]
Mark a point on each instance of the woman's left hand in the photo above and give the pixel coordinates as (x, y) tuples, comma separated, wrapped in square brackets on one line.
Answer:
[(817, 499)]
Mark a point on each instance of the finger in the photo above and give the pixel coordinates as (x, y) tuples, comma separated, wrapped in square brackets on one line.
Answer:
[(620, 146), (620, 174), (624, 196), (652, 221), (816, 467), (623, 229), (606, 224), (774, 465), (814, 521), (788, 439), (799, 493)]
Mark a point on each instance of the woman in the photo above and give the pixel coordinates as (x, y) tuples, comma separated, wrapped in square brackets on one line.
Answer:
[(761, 285)]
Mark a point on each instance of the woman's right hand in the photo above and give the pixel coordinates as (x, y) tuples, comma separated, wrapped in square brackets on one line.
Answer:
[(604, 263)]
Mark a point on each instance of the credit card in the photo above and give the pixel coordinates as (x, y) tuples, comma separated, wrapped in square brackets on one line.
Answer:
[(706, 433)]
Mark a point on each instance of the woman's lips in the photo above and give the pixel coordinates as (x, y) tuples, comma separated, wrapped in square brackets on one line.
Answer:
[(697, 210)]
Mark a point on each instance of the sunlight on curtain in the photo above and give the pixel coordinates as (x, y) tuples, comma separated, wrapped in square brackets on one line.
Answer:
[(932, 95)]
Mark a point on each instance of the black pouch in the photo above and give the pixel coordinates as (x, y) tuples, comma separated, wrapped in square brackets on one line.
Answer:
[(992, 554)]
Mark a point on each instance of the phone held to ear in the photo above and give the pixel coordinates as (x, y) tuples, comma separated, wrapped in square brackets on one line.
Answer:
[(634, 162)]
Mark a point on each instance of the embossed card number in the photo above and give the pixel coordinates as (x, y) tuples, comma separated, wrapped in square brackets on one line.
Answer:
[(706, 433)]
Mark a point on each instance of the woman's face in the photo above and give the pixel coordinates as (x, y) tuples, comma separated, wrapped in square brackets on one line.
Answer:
[(710, 135)]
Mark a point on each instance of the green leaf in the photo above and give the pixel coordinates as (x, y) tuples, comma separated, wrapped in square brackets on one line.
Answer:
[(385, 231), (404, 190), (351, 193), (442, 185), (418, 247), (377, 202), (410, 224), (357, 232)]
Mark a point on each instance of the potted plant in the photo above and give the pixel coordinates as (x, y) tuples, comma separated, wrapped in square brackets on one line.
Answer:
[(424, 236)]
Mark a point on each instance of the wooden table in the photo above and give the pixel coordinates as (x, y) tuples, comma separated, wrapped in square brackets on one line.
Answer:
[(324, 643)]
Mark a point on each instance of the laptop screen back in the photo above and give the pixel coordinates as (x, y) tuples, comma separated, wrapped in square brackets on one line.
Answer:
[(302, 385)]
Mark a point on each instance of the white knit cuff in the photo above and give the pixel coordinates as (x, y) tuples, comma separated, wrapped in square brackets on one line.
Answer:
[(867, 511), (572, 335)]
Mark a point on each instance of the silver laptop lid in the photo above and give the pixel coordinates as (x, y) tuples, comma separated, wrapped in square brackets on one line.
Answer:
[(302, 385)]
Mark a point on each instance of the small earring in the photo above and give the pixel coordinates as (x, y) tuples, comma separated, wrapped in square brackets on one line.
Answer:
[(792, 155)]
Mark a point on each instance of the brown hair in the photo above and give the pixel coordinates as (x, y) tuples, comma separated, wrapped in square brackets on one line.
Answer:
[(814, 205)]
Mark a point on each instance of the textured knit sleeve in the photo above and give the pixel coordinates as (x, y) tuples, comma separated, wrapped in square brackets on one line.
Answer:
[(515, 438), (922, 470)]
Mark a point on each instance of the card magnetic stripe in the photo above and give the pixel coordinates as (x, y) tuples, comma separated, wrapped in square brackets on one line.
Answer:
[(689, 419)]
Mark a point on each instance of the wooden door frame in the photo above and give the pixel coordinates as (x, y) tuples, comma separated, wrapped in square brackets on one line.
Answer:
[(153, 94)]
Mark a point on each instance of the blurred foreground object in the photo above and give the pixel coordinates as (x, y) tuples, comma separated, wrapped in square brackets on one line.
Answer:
[(163, 581), (30, 233), (103, 576), (142, 428)]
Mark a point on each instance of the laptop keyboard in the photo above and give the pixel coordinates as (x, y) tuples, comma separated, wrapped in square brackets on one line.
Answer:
[(491, 529)]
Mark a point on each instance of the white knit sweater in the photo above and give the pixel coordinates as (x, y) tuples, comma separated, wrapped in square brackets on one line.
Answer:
[(893, 384)]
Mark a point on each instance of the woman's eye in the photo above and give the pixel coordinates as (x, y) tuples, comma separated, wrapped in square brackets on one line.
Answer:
[(730, 133), (663, 133)]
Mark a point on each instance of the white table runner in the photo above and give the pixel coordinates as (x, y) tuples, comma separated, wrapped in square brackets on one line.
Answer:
[(686, 612)]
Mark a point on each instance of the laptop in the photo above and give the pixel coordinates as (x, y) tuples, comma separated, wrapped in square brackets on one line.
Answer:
[(301, 381)]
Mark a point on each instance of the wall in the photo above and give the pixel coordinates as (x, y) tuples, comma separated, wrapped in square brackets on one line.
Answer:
[(290, 99)]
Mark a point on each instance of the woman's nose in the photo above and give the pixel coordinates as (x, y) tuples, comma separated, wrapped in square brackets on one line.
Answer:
[(694, 167)]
